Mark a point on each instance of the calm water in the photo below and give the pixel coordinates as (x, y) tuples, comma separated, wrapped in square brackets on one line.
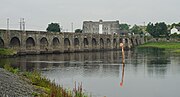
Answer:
[(149, 73)]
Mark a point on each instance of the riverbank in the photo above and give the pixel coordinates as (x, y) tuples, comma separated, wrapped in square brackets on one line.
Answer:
[(7, 52), (14, 83), (166, 46)]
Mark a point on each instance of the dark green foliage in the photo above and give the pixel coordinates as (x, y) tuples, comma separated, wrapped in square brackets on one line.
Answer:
[(7, 52), (161, 29), (174, 24), (53, 27), (11, 69), (78, 31), (151, 29), (124, 27), (175, 35), (158, 30), (136, 30)]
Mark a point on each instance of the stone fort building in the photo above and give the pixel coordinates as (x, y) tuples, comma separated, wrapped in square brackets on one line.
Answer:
[(101, 27)]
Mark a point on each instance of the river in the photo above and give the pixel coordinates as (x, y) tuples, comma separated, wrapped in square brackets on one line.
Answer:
[(146, 73)]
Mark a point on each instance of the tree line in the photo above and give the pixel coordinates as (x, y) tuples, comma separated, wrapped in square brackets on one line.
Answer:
[(157, 30)]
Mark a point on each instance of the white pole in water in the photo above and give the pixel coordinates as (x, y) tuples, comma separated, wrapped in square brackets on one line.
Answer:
[(123, 61)]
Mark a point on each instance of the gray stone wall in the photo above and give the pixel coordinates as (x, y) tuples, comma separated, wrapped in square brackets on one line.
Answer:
[(108, 27), (36, 42)]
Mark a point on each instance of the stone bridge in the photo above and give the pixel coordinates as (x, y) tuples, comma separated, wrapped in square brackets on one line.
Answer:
[(37, 42)]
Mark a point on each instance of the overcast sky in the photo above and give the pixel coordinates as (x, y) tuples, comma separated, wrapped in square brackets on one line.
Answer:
[(38, 13)]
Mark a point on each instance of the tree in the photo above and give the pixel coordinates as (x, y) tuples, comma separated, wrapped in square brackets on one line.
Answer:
[(151, 29), (161, 29), (136, 30), (53, 27), (174, 24), (78, 31), (157, 30), (124, 27)]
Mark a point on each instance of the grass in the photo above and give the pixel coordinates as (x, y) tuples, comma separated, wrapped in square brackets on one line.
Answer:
[(45, 87), (7, 52), (11, 69), (177, 51), (167, 46)]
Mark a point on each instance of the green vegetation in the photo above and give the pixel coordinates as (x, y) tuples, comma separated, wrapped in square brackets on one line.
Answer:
[(43, 86), (177, 51), (53, 27), (7, 52), (124, 27), (136, 30), (175, 24), (11, 69), (78, 31), (158, 30), (175, 35), (167, 46)]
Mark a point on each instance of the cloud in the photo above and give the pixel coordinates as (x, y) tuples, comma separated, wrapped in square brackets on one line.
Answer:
[(42, 12)]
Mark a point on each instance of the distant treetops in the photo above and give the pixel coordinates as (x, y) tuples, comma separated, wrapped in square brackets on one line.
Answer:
[(78, 31), (53, 27), (156, 30), (162, 30)]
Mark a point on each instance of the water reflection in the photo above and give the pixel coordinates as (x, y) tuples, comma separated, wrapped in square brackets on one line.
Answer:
[(122, 78), (102, 72), (104, 62)]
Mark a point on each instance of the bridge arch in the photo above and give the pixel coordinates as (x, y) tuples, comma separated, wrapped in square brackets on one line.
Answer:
[(108, 42), (86, 43), (1, 43), (76, 42), (121, 40), (126, 41), (114, 43), (30, 43), (94, 43), (55, 43), (101, 43), (44, 43), (15, 42), (67, 44)]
